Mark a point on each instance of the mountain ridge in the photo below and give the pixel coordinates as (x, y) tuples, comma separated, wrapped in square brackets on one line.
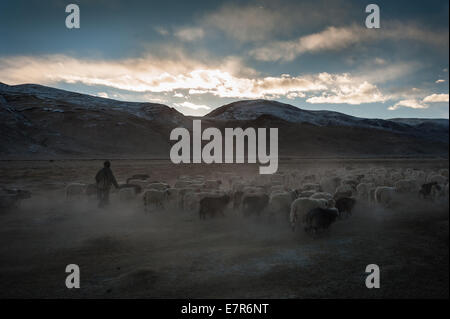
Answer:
[(38, 120)]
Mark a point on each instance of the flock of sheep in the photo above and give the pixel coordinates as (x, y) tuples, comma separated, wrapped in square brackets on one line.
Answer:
[(315, 198)]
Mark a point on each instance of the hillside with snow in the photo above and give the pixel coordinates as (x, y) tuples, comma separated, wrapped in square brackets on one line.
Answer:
[(434, 129), (43, 122)]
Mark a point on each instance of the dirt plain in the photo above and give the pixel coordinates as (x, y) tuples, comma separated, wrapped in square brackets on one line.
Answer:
[(124, 253)]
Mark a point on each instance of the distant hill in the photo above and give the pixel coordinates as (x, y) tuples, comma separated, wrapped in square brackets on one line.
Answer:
[(43, 122)]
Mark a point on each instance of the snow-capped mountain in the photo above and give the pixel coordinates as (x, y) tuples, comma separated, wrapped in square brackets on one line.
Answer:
[(39, 121), (435, 129), (252, 109), (30, 96)]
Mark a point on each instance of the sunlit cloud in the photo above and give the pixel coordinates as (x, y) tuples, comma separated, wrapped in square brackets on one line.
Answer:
[(417, 104), (158, 75), (192, 106), (337, 38), (162, 31), (412, 103), (256, 22), (189, 34), (436, 98), (346, 91)]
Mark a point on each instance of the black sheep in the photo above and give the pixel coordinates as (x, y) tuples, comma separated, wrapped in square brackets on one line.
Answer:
[(320, 219)]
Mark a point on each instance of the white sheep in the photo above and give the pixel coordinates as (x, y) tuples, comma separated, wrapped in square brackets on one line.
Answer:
[(75, 190), (437, 178), (213, 184), (438, 191), (344, 191), (173, 198), (158, 186), (323, 195), (301, 206), (326, 196), (140, 182), (443, 172), (277, 189), (385, 195), (311, 187), (253, 190), (372, 199), (127, 194), (154, 198), (363, 189), (183, 183), (406, 186), (280, 203)]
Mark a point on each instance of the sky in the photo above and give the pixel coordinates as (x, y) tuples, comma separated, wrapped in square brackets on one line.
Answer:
[(198, 55)]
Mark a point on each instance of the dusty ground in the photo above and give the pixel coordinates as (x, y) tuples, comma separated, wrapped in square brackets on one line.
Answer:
[(123, 252)]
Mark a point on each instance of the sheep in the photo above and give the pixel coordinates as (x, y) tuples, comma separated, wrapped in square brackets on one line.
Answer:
[(280, 203), (173, 197), (311, 187), (136, 188), (425, 190), (437, 191), (127, 194), (254, 203), (141, 177), (324, 195), (141, 183), (372, 198), (406, 186), (212, 184), (301, 206), (345, 206), (253, 190), (182, 195), (191, 200), (395, 176), (320, 219), (305, 193), (233, 179), (11, 198), (329, 184), (154, 198), (183, 183), (277, 178), (437, 178), (277, 188), (350, 182), (75, 191), (237, 198), (157, 185), (343, 191), (363, 189), (385, 195), (238, 186), (443, 172), (213, 205), (91, 190), (309, 178)]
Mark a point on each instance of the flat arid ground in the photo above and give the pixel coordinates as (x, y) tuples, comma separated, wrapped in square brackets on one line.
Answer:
[(123, 252)]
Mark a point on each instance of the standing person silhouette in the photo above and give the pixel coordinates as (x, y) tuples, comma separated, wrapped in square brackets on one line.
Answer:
[(104, 179)]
